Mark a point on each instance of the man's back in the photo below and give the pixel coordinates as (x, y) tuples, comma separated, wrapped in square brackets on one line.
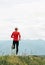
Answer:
[(16, 36)]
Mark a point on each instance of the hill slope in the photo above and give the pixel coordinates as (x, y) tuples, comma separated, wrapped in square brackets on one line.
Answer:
[(22, 60)]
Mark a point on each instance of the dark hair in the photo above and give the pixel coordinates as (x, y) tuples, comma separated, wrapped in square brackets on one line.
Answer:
[(16, 28)]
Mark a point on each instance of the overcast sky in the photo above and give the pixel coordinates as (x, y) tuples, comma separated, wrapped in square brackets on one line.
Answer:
[(27, 15)]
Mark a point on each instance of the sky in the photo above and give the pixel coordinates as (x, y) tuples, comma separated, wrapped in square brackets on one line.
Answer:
[(27, 15)]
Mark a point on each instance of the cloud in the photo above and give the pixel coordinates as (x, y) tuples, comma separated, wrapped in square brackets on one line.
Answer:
[(28, 17), (11, 3)]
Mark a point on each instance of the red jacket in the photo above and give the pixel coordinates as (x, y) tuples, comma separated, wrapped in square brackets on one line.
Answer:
[(16, 36)]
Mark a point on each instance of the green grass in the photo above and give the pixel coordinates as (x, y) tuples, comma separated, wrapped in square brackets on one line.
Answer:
[(22, 60)]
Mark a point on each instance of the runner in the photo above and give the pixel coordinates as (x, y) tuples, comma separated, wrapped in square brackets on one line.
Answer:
[(16, 38)]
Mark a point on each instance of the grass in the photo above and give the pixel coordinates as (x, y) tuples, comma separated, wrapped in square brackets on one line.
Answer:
[(22, 60)]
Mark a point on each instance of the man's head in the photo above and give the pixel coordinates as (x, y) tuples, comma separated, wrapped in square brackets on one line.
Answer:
[(16, 29)]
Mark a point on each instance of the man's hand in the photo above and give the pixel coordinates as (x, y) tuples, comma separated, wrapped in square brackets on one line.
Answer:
[(19, 38), (12, 36)]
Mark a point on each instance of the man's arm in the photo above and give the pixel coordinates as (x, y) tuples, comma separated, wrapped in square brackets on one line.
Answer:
[(12, 36), (19, 36)]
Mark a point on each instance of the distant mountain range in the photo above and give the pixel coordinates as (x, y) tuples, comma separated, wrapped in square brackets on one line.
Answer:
[(27, 47)]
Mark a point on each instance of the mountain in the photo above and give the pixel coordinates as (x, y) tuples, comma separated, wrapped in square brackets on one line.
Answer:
[(26, 47)]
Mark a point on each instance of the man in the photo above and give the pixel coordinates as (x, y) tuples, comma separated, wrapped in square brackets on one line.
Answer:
[(16, 37)]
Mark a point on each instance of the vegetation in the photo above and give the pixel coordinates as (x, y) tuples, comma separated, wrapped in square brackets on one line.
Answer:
[(22, 60)]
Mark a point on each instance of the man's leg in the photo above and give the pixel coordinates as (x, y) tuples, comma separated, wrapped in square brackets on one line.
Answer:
[(13, 45), (17, 44)]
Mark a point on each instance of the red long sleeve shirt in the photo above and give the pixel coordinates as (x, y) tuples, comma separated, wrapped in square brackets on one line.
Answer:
[(16, 36)]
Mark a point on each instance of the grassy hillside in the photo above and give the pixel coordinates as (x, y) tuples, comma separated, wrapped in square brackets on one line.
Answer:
[(22, 60)]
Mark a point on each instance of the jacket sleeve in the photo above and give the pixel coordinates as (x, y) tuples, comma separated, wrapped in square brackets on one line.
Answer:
[(19, 36), (12, 35)]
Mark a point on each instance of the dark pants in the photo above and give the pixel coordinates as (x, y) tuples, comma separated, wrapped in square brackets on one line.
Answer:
[(17, 44)]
